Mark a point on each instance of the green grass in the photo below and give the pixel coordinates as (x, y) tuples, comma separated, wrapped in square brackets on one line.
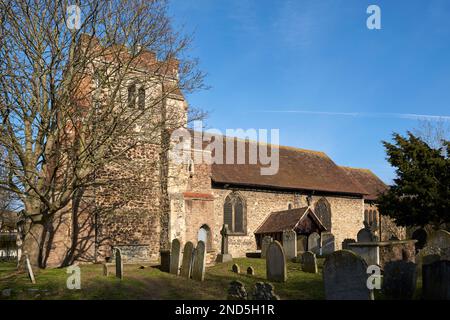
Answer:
[(151, 283)]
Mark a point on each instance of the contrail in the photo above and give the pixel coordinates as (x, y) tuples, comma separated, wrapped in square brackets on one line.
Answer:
[(410, 116)]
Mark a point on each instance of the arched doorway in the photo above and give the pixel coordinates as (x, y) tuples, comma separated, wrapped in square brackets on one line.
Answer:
[(204, 234)]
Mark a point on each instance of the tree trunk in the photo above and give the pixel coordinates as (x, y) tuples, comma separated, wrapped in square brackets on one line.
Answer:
[(32, 245)]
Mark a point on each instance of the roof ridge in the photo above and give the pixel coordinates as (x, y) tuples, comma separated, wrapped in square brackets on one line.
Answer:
[(319, 153)]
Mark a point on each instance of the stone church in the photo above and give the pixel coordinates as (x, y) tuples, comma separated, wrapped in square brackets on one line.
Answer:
[(202, 197)]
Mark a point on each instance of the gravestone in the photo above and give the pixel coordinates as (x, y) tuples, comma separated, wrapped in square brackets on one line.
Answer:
[(345, 243), (119, 264), (224, 256), (314, 243), (290, 244), (327, 243), (439, 241), (105, 270), (175, 255), (264, 291), (399, 280), (302, 243), (250, 271), (276, 263), (186, 266), (198, 270), (264, 245), (30, 270), (309, 262), (237, 291), (436, 280), (365, 235), (235, 268), (345, 277)]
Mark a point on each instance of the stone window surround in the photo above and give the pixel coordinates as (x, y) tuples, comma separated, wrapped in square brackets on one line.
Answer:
[(233, 195)]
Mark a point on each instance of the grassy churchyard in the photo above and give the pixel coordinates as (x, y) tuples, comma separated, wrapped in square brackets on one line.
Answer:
[(151, 283)]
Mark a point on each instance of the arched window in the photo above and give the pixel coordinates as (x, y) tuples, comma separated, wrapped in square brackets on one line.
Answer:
[(141, 98), (234, 214), (190, 168), (366, 216), (204, 234), (132, 95), (290, 206), (323, 211)]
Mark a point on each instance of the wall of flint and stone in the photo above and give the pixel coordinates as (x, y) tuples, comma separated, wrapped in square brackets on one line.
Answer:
[(347, 215), (387, 225)]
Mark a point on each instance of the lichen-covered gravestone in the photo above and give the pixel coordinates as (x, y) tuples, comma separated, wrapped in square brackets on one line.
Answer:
[(264, 245), (327, 243), (290, 244), (237, 291), (198, 270), (365, 235), (399, 280), (264, 291), (224, 256), (309, 262), (175, 254), (119, 264), (186, 266), (314, 243), (345, 277), (276, 263), (235, 268), (436, 280)]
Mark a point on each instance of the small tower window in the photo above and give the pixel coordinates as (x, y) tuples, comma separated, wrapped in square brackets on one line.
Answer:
[(132, 96), (141, 98)]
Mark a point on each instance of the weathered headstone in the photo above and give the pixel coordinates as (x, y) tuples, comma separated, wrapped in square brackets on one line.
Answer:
[(276, 263), (345, 243), (365, 235), (438, 242), (250, 271), (290, 244), (345, 277), (264, 291), (105, 270), (235, 268), (309, 262), (237, 291), (224, 256), (264, 245), (436, 280), (198, 270), (175, 255), (30, 270), (314, 243), (328, 245), (119, 264), (186, 266), (399, 280), (302, 243)]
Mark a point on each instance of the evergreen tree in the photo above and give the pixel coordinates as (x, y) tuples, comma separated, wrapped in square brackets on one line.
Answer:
[(421, 191)]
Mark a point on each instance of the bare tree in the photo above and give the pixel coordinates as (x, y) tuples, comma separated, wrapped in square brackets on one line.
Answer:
[(67, 97), (434, 133)]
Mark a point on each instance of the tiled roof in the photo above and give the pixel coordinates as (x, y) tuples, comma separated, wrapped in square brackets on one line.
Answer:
[(368, 180), (286, 220), (299, 169)]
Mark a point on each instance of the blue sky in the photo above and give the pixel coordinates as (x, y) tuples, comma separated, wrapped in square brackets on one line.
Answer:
[(312, 69)]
